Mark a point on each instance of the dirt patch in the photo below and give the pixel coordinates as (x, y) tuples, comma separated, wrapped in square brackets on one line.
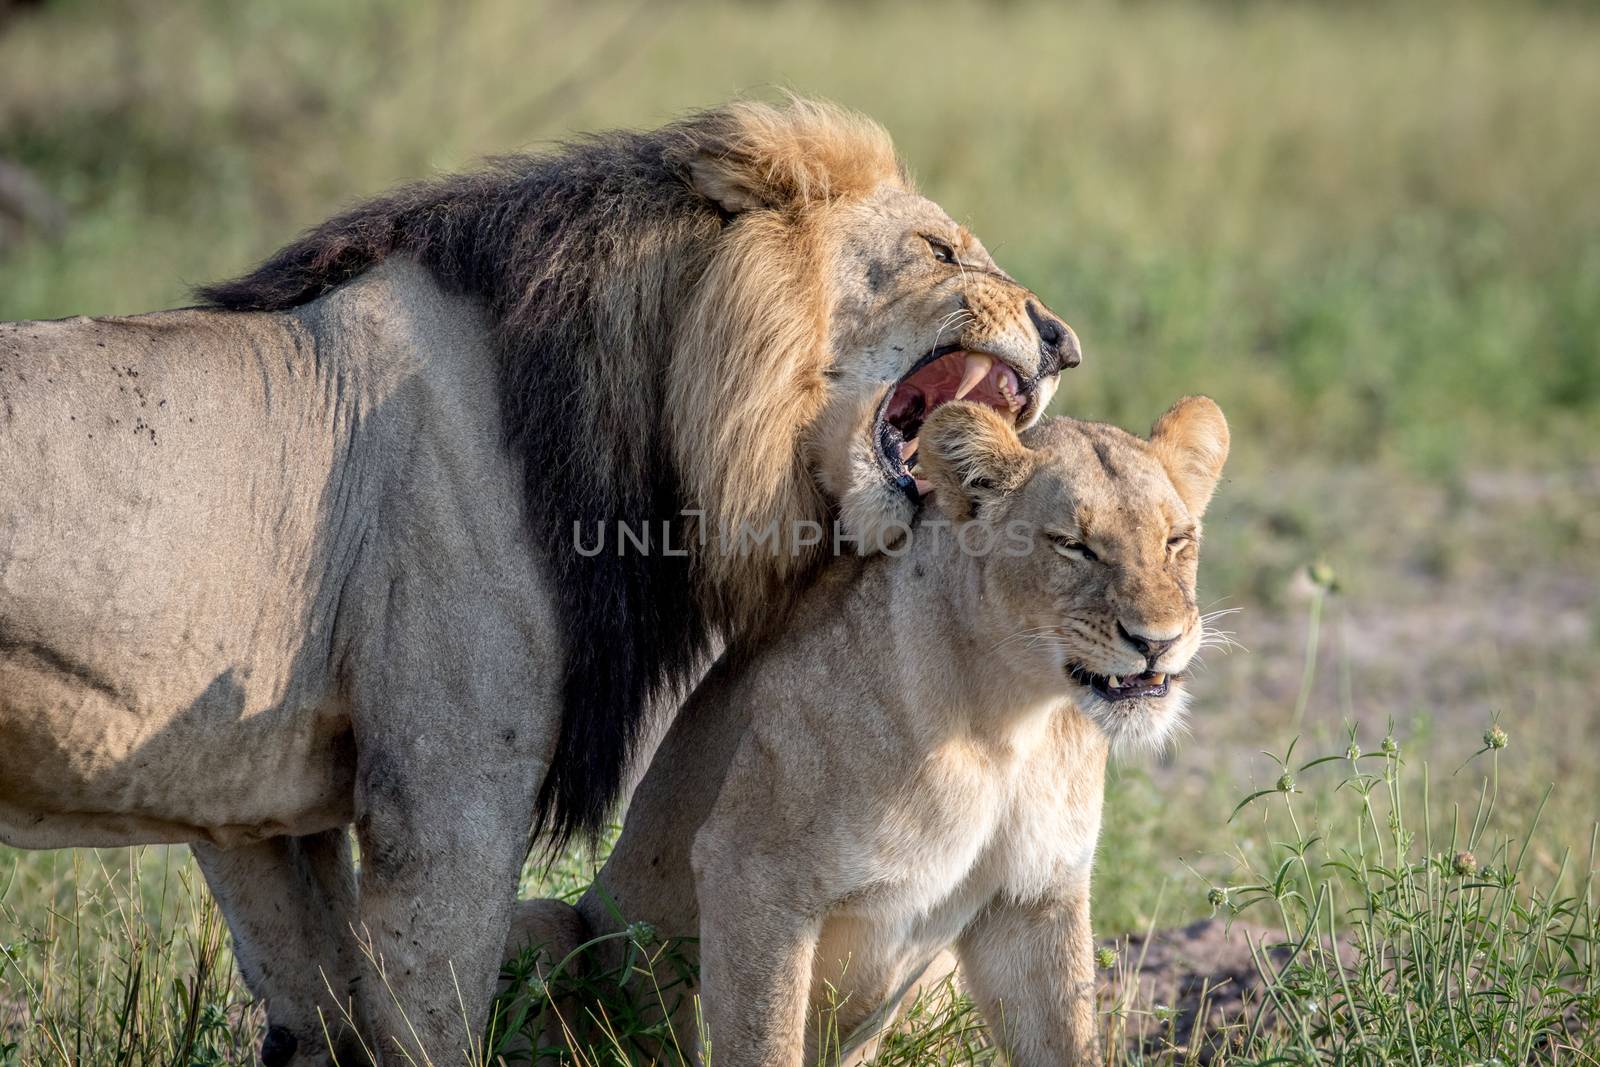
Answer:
[(1194, 986), (1456, 601)]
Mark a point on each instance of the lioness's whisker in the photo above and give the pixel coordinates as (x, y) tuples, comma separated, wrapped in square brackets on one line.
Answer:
[(1029, 632), (1212, 616), (1223, 639)]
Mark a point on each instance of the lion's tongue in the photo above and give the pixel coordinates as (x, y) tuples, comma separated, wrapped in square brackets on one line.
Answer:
[(961, 375)]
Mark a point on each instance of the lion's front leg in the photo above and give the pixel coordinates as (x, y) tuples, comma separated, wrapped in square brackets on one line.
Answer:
[(442, 824), (1030, 967), (455, 709), (289, 902)]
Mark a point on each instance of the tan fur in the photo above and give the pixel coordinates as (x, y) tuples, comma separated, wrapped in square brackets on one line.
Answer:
[(911, 766), (972, 456), (1191, 441)]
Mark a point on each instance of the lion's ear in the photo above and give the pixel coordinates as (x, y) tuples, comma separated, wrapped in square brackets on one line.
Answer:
[(750, 155), (732, 182), (971, 455), (1191, 440)]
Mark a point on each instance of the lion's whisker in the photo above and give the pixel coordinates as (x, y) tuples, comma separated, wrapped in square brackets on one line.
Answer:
[(950, 322)]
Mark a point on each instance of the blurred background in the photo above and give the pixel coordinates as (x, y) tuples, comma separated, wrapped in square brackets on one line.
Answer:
[(1371, 232)]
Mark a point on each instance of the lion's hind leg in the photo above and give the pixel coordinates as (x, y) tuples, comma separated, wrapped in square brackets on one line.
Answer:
[(289, 902)]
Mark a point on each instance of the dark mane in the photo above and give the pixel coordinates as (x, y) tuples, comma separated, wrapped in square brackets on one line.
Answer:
[(530, 236)]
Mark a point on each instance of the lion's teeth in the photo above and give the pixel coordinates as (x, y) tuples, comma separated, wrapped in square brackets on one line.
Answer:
[(924, 488), (1157, 678), (1113, 682), (977, 368), (908, 449), (1005, 380)]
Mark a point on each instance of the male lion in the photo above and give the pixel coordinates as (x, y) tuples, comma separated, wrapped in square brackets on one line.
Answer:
[(306, 559), (920, 759)]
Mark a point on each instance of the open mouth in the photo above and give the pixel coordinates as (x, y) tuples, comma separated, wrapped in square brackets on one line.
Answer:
[(1125, 687), (945, 374)]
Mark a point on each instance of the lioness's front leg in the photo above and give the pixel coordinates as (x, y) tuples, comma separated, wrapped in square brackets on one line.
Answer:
[(756, 954), (1031, 969)]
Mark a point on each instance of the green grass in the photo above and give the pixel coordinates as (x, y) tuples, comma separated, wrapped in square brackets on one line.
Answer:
[(1449, 946), (1370, 231), (116, 957)]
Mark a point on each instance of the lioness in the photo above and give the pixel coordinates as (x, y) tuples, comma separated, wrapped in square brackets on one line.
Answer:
[(313, 557), (920, 759)]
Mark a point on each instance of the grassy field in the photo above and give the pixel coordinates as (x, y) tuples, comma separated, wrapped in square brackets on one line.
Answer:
[(1371, 232)]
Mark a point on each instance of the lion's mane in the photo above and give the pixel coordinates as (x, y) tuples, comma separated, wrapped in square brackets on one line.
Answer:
[(660, 303)]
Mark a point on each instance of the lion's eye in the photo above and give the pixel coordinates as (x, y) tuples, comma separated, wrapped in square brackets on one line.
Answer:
[(1178, 542), (1072, 548), (941, 251)]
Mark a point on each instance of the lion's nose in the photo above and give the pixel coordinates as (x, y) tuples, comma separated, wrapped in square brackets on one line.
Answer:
[(1151, 648), (1057, 343)]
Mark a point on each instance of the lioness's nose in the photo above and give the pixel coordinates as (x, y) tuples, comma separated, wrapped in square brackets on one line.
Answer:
[(1057, 343), (1151, 648)]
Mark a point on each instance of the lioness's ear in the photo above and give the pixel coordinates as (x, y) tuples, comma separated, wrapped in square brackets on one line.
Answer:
[(971, 455), (1191, 440)]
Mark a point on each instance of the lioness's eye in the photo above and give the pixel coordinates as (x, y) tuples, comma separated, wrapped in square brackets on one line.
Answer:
[(1176, 542), (941, 251), (1073, 548)]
